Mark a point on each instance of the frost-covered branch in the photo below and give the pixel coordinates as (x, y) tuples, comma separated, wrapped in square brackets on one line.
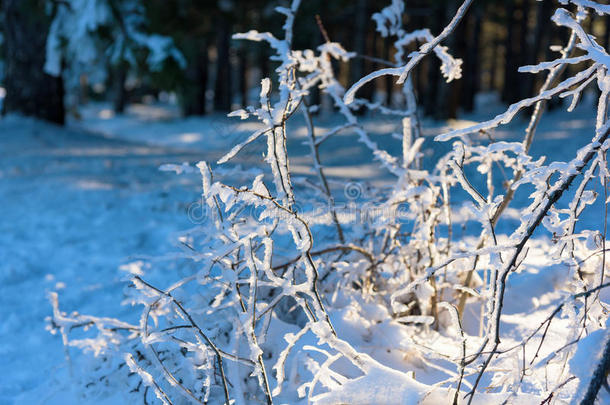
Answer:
[(403, 71), (287, 304)]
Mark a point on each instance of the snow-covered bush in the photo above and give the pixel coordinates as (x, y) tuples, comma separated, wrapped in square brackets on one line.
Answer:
[(291, 303)]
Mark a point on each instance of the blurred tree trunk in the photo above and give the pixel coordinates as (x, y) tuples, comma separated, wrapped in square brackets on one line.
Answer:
[(29, 90), (461, 47), (359, 37), (508, 86), (194, 93), (557, 36), (433, 75), (388, 81), (359, 66), (222, 84), (495, 56), (541, 40), (242, 59), (83, 89), (120, 92), (315, 97), (471, 68), (263, 62), (526, 49), (446, 106), (606, 40), (515, 84)]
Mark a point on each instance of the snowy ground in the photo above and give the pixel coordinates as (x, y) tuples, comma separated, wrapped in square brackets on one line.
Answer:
[(79, 202), (74, 206), (559, 135)]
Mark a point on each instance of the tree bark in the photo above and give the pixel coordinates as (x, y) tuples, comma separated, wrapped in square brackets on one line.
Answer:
[(29, 90)]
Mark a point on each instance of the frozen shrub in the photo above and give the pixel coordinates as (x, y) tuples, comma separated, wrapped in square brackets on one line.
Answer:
[(396, 308)]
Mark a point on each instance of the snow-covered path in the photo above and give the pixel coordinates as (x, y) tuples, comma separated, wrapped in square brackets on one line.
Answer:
[(74, 207)]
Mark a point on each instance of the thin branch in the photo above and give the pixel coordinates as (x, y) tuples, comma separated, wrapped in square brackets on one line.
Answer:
[(199, 331)]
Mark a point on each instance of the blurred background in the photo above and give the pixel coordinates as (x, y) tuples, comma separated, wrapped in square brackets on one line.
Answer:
[(59, 55)]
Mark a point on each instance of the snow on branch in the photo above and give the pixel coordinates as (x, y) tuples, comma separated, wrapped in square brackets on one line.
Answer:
[(451, 71), (425, 290)]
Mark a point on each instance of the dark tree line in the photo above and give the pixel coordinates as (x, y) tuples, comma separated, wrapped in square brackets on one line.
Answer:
[(29, 89), (494, 39)]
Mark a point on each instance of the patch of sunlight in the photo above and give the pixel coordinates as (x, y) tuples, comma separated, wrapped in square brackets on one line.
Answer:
[(189, 137), (93, 185), (106, 114)]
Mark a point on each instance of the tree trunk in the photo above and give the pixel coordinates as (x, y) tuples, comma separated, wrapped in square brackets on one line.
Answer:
[(194, 91), (243, 77), (359, 66), (460, 48), (433, 75), (471, 69), (388, 81), (493, 69), (542, 36), (222, 84), (120, 92), (447, 92), (516, 84), (606, 39), (29, 90), (509, 92), (525, 47)]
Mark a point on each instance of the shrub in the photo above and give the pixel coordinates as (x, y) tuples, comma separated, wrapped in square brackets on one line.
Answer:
[(301, 298)]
